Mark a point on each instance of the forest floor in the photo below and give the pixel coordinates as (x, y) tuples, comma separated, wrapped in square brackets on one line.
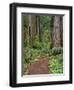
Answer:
[(39, 67), (43, 63)]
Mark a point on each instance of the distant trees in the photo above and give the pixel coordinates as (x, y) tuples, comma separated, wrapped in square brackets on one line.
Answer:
[(48, 28), (35, 28)]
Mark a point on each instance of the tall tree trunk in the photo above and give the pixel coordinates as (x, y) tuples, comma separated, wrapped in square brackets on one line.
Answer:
[(39, 28), (61, 31), (37, 24), (32, 28), (57, 31)]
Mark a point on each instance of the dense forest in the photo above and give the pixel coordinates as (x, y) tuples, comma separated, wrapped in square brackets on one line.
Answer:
[(42, 39)]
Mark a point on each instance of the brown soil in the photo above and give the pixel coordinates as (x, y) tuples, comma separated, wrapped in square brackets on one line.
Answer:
[(39, 67)]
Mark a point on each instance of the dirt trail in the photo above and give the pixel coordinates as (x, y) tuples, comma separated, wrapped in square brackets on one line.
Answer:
[(39, 67)]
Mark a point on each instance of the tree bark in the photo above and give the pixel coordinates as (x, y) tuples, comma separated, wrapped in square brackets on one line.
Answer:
[(61, 31), (32, 28), (57, 31), (37, 24)]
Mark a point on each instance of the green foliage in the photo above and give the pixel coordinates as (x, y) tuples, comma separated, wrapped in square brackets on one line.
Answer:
[(57, 50), (46, 21), (27, 55), (55, 58), (42, 48), (56, 64), (37, 44), (25, 22)]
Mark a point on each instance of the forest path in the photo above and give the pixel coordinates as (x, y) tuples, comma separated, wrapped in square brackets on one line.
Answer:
[(39, 67)]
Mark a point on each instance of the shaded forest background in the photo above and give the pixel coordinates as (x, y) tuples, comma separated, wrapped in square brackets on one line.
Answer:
[(43, 38)]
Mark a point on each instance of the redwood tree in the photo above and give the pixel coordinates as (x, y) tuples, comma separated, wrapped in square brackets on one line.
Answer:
[(57, 33)]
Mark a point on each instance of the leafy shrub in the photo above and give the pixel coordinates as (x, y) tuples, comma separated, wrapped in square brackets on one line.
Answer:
[(56, 64), (27, 55), (57, 50), (37, 44)]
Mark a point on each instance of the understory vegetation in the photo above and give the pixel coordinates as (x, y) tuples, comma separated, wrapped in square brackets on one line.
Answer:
[(39, 43)]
